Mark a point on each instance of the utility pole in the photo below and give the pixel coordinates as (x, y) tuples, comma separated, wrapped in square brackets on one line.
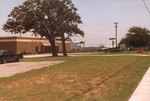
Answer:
[(116, 32)]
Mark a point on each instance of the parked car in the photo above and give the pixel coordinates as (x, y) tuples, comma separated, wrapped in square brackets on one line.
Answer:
[(8, 56)]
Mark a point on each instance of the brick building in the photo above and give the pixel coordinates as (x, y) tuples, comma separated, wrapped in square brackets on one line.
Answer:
[(20, 44)]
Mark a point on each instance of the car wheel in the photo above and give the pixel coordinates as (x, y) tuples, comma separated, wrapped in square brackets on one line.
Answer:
[(4, 60)]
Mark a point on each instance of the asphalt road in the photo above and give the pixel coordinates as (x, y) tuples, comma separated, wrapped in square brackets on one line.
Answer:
[(13, 68)]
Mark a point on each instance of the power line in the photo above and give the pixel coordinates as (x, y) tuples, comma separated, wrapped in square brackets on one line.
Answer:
[(146, 6)]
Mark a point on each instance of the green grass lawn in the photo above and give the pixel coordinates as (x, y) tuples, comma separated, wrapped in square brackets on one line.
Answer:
[(89, 78)]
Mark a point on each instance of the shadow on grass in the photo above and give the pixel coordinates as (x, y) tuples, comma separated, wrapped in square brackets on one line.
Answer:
[(92, 88)]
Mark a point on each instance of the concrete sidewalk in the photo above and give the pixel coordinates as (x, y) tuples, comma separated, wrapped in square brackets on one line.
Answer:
[(13, 68), (80, 54), (37, 55), (142, 92)]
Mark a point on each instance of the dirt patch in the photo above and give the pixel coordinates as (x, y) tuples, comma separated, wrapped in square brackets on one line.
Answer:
[(10, 69)]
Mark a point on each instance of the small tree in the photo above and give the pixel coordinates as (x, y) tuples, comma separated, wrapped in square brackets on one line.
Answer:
[(68, 25), (137, 37), (72, 32)]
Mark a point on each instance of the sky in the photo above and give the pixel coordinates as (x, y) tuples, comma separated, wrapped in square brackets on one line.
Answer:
[(98, 17)]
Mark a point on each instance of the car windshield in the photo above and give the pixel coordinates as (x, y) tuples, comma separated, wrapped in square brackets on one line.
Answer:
[(1, 52)]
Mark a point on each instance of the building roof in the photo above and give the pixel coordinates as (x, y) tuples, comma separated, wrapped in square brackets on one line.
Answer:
[(26, 39)]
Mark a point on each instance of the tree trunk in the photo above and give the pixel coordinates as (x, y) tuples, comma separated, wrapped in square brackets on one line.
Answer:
[(64, 45), (54, 51)]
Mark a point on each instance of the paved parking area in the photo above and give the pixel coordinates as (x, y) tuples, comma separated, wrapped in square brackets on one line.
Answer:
[(10, 69)]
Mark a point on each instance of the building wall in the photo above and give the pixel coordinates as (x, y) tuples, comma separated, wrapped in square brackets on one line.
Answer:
[(29, 47), (8, 46), (19, 44)]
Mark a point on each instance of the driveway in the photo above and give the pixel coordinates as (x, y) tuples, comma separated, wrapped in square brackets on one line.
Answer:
[(10, 69)]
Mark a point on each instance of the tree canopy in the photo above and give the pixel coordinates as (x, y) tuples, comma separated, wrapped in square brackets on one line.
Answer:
[(136, 37), (49, 18)]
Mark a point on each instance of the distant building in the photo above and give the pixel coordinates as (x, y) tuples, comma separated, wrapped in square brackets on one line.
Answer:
[(108, 46), (19, 44), (77, 45)]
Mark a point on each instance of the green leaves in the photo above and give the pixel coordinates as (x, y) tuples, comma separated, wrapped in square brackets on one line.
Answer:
[(137, 37), (57, 15)]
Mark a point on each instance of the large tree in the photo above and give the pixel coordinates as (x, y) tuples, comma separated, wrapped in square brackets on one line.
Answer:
[(136, 37), (44, 17)]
